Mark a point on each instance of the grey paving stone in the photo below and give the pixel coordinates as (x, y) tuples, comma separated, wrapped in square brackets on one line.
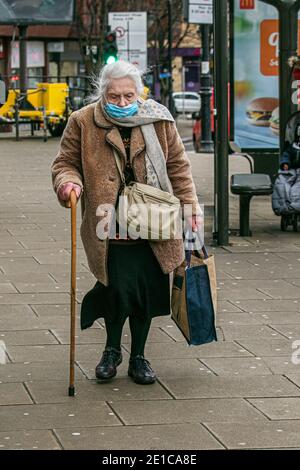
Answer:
[(239, 332), (278, 408), (53, 257), (163, 368), (224, 306), (173, 332), (237, 318), (290, 331), (38, 298), (268, 305), (177, 437), (230, 387), (90, 391), (7, 288), (52, 310), (295, 378), (57, 353), (59, 415), (236, 366), (98, 336), (28, 440), (181, 350), (185, 411), (15, 322), (272, 347), (281, 364), (24, 337), (276, 318), (22, 372), (258, 435), (39, 287), (237, 294), (285, 292), (13, 393)]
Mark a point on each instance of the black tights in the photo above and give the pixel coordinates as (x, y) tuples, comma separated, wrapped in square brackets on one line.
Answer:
[(139, 329)]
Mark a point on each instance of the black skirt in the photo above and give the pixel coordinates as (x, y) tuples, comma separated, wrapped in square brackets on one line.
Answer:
[(137, 286)]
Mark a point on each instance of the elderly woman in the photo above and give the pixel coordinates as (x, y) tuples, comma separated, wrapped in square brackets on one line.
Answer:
[(133, 274)]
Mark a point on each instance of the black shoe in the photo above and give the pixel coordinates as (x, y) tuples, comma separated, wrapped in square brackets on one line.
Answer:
[(140, 370), (107, 367)]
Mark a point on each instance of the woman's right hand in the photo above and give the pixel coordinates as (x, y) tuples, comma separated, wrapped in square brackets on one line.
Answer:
[(64, 191)]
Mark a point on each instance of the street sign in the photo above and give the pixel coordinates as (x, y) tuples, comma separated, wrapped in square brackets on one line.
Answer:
[(200, 11), (131, 32), (55, 46)]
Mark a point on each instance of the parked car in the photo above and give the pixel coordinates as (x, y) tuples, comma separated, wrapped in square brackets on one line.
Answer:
[(187, 102)]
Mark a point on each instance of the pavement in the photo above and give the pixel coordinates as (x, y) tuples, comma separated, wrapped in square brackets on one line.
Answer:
[(242, 392)]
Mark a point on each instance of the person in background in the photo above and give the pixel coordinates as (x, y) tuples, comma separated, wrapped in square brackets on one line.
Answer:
[(290, 158)]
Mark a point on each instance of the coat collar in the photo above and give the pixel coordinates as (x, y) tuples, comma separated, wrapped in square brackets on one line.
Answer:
[(113, 136)]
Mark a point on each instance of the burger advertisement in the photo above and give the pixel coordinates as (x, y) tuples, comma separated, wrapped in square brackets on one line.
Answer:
[(255, 76)]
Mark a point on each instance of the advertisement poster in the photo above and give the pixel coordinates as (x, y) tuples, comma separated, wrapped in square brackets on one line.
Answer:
[(256, 54)]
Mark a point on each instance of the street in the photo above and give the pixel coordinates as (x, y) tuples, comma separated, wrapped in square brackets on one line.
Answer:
[(242, 392)]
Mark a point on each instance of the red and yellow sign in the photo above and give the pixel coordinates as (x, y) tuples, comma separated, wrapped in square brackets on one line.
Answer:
[(269, 46), (247, 4)]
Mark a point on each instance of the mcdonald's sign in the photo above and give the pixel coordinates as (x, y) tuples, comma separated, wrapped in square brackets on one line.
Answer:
[(247, 4)]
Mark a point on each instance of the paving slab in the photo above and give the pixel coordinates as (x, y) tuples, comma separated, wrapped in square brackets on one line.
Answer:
[(239, 332), (38, 298), (238, 318), (59, 415), (273, 347), (230, 387), (290, 331), (39, 371), (163, 368), (98, 336), (180, 350), (7, 288), (259, 435), (183, 411), (93, 391), (28, 440), (23, 338), (276, 318), (236, 366), (278, 408), (268, 305), (164, 437), (13, 393), (282, 364), (57, 353)]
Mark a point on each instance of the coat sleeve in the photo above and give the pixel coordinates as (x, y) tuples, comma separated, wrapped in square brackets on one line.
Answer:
[(179, 169), (66, 166)]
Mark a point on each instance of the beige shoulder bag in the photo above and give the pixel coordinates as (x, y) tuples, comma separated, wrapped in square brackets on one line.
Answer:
[(147, 211)]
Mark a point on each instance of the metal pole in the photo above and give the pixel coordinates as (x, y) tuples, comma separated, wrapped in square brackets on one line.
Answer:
[(170, 43), (221, 132), (23, 59), (205, 90)]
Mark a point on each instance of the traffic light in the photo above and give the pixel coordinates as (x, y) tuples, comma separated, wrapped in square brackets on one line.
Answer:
[(110, 48)]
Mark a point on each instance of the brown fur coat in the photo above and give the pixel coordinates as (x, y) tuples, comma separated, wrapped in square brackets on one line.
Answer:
[(85, 157)]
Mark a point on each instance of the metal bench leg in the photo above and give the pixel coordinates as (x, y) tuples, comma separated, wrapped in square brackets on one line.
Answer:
[(245, 215)]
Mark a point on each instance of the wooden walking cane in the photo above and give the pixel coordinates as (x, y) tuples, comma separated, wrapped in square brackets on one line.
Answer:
[(73, 203)]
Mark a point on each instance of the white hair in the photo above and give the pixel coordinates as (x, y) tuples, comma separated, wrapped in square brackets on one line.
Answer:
[(119, 69)]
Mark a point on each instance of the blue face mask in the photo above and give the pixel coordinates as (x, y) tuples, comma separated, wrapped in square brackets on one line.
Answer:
[(118, 112)]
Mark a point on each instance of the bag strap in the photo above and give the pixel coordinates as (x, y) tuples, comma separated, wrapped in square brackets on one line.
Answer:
[(118, 162)]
